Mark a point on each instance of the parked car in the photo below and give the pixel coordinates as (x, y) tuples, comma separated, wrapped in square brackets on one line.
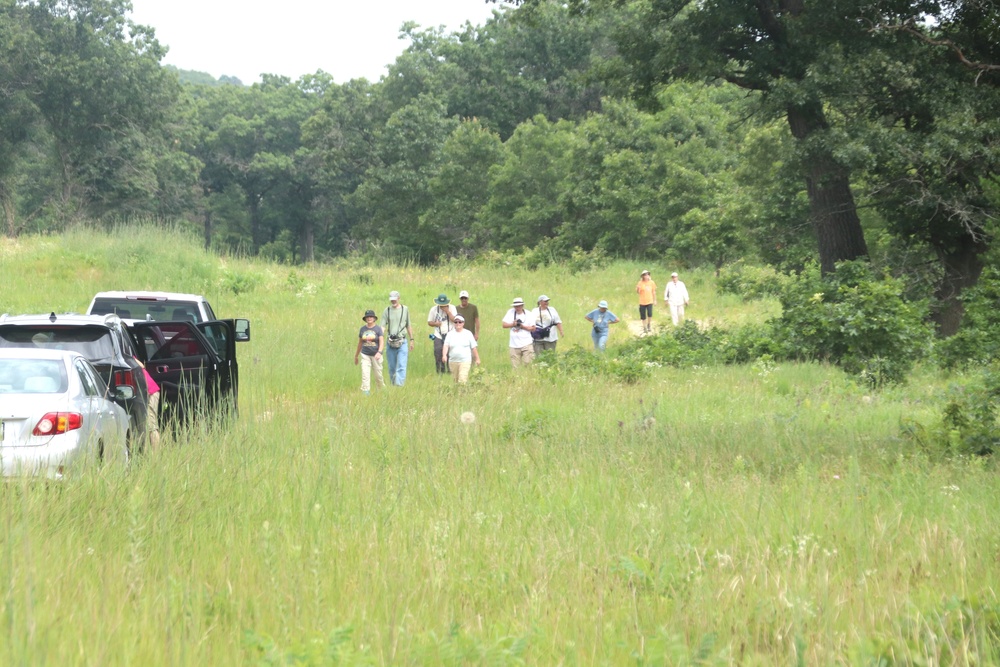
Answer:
[(104, 341), (56, 412), (162, 306)]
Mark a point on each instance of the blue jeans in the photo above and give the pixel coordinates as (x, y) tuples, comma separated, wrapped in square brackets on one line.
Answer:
[(600, 339), (397, 362)]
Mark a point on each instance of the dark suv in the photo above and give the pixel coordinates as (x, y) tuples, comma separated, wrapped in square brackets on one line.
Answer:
[(104, 341)]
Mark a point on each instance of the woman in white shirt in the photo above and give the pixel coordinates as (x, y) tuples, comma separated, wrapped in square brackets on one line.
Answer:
[(546, 318), (460, 350)]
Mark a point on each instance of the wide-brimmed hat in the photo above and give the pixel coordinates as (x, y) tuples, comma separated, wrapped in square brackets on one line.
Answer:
[(543, 298), (463, 295), (459, 318), (442, 300), (645, 272), (518, 301), (369, 313), (673, 275), (602, 304), (393, 295)]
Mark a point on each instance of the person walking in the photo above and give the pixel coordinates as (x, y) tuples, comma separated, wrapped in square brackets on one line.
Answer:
[(521, 323), (646, 289), (371, 342), (399, 338), (602, 319), (152, 409), (460, 350), (547, 323), (470, 312), (440, 319), (676, 297)]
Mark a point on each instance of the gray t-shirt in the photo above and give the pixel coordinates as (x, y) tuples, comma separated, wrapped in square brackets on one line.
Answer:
[(395, 321)]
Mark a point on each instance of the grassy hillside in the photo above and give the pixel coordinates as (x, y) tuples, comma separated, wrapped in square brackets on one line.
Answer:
[(757, 515)]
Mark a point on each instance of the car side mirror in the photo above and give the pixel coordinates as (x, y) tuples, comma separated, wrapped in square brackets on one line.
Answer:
[(124, 392), (242, 330)]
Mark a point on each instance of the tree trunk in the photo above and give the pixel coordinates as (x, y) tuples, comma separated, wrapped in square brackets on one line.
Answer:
[(833, 213), (307, 241), (208, 228), (962, 266), (8, 211)]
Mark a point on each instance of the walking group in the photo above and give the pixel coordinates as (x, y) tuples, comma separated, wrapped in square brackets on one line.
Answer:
[(454, 332)]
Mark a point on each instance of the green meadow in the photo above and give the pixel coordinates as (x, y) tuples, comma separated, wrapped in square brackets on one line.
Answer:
[(767, 514)]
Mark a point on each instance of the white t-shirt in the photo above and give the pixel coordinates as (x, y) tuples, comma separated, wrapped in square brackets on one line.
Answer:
[(543, 318), (519, 337), (445, 324), (460, 344), (676, 294)]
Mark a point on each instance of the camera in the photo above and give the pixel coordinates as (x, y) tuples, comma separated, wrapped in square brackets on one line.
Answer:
[(394, 337), (518, 323), (596, 330), (431, 336)]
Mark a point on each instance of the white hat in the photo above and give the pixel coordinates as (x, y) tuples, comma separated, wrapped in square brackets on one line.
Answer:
[(673, 275), (518, 301), (543, 298), (602, 304), (459, 318), (463, 294)]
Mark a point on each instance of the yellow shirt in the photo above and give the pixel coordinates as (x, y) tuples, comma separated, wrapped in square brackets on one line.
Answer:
[(647, 292)]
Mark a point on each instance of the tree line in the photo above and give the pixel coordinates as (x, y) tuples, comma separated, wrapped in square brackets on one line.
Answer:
[(779, 131)]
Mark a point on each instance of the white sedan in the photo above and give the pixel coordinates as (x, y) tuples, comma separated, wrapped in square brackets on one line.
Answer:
[(56, 413)]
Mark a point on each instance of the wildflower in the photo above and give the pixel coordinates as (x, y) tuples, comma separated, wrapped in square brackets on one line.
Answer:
[(468, 418)]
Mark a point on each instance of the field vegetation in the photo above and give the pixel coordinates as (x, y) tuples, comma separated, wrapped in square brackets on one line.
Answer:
[(760, 513)]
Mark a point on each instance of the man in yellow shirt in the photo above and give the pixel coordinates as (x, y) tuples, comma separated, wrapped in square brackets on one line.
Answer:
[(646, 289)]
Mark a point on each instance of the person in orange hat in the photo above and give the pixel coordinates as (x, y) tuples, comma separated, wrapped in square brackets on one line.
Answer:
[(646, 289)]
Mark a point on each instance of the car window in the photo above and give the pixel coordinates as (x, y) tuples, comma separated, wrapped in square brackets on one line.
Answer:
[(93, 342), (217, 334), (89, 386), (170, 341), (146, 309), (33, 376)]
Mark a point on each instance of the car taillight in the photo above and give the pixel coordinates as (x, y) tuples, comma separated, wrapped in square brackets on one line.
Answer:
[(126, 378), (55, 423)]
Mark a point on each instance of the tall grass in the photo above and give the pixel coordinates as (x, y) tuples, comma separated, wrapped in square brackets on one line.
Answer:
[(754, 515)]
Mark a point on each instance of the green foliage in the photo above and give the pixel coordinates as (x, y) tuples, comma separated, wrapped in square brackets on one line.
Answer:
[(978, 341), (337, 649), (970, 420), (752, 282), (580, 365), (239, 282), (855, 319)]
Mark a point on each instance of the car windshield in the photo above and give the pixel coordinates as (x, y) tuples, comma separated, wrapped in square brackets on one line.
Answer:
[(32, 376), (146, 309), (92, 342)]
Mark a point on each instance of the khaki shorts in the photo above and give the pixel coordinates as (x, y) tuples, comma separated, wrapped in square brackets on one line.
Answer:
[(522, 356)]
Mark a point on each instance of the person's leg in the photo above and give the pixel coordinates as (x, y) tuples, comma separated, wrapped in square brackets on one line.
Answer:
[(454, 366), (153, 421), (402, 358), (538, 346), (596, 337), (674, 314), (602, 341), (549, 345), (680, 313), (391, 359), (377, 367), (366, 373), (649, 318), (462, 376), (439, 366), (527, 354), (515, 357)]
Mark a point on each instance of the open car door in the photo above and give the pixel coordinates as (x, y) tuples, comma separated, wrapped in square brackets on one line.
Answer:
[(194, 378)]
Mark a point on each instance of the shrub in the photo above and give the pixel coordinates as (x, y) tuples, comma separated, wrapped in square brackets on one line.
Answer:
[(978, 341), (752, 282), (852, 318), (969, 424)]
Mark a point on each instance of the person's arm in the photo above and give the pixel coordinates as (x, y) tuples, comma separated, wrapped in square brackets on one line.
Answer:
[(475, 355), (409, 330), (357, 352), (508, 319), (531, 318), (444, 351), (381, 344)]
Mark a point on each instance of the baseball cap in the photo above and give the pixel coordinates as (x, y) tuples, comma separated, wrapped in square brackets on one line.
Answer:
[(644, 272), (602, 304), (518, 301), (393, 295), (463, 294), (459, 318), (543, 298)]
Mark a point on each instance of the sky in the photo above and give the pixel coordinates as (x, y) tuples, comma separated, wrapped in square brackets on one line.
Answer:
[(245, 38)]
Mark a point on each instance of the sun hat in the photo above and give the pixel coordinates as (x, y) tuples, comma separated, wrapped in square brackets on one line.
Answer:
[(442, 300), (459, 318), (602, 304), (518, 301), (463, 295), (369, 313), (543, 298), (645, 272), (393, 295), (673, 275)]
